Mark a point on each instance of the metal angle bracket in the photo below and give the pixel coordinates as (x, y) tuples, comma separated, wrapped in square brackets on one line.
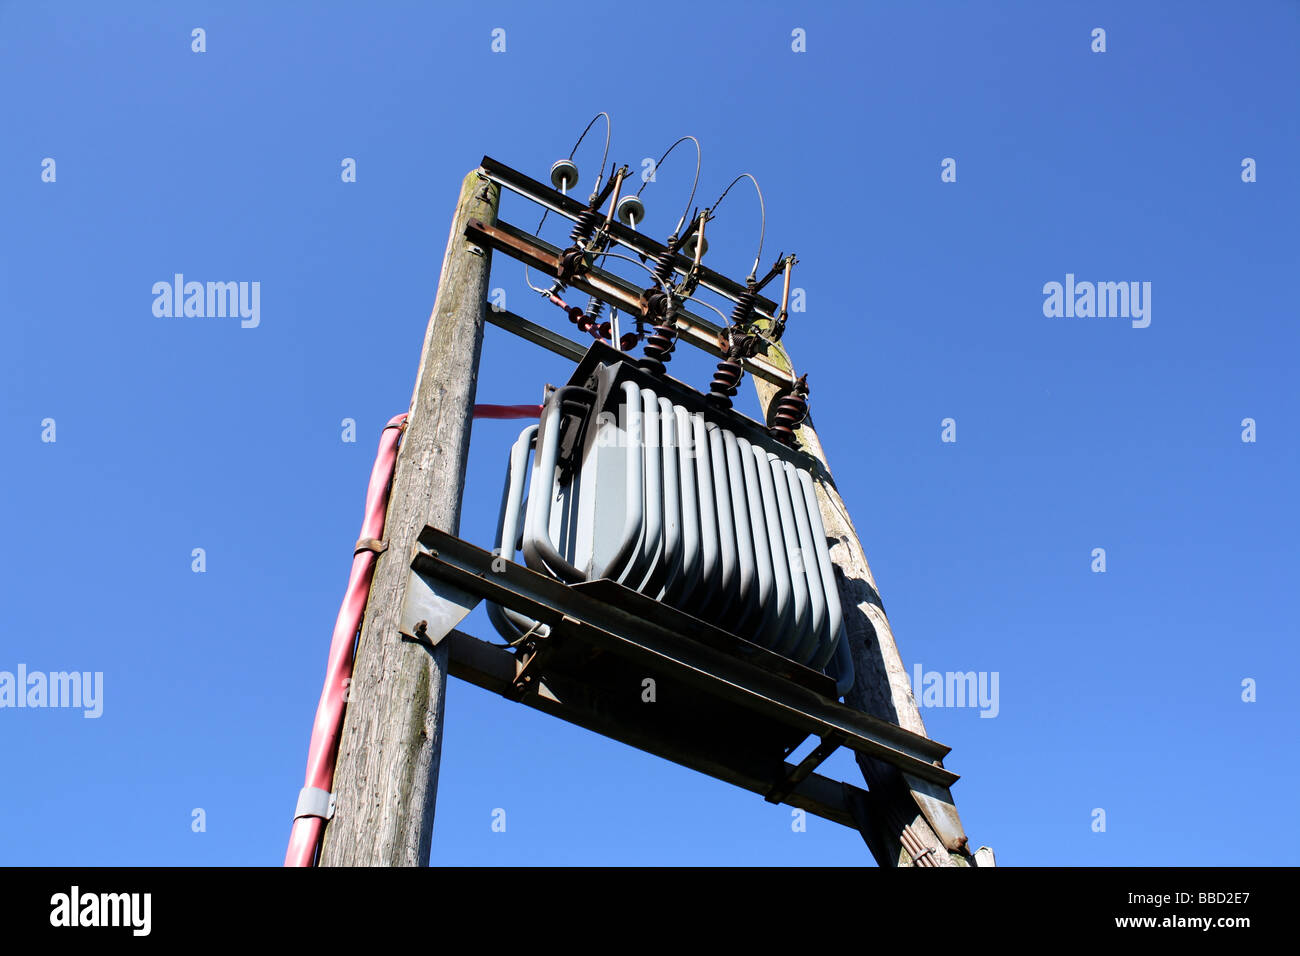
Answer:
[(432, 607), (537, 334), (936, 805), (784, 786)]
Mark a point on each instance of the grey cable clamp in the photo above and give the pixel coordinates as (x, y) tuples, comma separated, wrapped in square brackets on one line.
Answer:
[(314, 802)]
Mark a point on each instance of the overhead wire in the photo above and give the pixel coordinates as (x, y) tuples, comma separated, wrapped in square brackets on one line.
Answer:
[(699, 156), (762, 221)]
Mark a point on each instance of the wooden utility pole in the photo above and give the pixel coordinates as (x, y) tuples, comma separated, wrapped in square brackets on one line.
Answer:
[(386, 778), (893, 825)]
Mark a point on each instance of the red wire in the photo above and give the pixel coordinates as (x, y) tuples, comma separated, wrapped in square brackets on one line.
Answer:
[(507, 411)]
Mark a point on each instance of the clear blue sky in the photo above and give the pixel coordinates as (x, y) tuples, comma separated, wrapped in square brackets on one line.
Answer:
[(1119, 690)]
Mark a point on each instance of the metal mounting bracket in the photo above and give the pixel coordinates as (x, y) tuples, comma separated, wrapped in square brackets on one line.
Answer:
[(432, 607)]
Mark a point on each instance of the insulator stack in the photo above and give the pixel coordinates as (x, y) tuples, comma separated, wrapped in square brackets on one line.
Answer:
[(791, 410), (594, 308), (585, 226), (725, 381), (742, 314), (663, 270), (663, 337), (658, 347)]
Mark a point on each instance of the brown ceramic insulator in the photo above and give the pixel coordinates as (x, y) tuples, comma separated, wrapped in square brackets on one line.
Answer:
[(742, 314), (658, 347), (585, 226), (663, 270), (790, 411), (725, 381), (580, 319)]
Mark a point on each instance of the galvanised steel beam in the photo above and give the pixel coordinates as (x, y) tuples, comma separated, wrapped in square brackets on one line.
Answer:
[(537, 334)]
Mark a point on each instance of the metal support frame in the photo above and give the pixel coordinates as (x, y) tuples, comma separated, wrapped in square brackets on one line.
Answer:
[(622, 294), (639, 243), (615, 290), (442, 559), (495, 669)]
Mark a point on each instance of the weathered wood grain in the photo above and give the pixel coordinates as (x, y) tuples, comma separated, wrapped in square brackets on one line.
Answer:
[(387, 772)]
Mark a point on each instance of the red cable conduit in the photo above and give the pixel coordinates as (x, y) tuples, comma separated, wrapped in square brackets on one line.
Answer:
[(304, 840), (323, 750)]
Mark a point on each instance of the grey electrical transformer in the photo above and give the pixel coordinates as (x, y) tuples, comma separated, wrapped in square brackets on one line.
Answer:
[(637, 478)]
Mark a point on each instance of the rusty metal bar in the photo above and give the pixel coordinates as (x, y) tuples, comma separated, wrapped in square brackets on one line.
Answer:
[(538, 254), (615, 290), (570, 208)]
